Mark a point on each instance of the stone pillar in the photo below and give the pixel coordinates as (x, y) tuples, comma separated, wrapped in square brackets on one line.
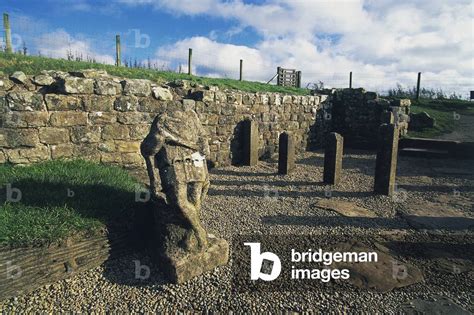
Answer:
[(333, 158), (249, 142), (386, 163), (387, 118), (286, 154)]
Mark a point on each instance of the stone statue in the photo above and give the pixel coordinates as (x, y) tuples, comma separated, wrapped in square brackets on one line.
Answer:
[(177, 146)]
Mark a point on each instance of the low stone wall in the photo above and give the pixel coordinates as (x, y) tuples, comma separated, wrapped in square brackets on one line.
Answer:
[(92, 115), (26, 269)]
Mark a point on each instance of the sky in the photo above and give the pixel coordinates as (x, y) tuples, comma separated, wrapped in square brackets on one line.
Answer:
[(383, 42)]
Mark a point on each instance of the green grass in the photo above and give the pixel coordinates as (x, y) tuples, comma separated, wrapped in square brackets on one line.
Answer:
[(102, 195), (444, 112), (10, 63)]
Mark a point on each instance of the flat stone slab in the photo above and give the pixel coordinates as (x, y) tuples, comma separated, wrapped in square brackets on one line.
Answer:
[(382, 276), (430, 215), (182, 269), (345, 208), (452, 171), (439, 305)]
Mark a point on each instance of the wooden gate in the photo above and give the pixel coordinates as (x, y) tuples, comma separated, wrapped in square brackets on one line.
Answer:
[(288, 77)]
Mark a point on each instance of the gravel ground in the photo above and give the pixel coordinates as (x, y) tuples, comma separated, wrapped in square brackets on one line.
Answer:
[(254, 200)]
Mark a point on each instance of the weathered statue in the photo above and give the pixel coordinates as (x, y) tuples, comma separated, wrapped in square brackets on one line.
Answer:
[(177, 146)]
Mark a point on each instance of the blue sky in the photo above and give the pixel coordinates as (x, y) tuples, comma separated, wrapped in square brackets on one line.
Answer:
[(383, 42), (99, 21)]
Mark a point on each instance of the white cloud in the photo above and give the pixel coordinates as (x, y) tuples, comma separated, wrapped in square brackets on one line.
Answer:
[(58, 43), (382, 42)]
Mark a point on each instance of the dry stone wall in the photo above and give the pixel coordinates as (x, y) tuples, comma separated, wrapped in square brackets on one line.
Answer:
[(357, 115), (92, 115)]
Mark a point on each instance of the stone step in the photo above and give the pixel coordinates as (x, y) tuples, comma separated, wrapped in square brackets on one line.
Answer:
[(425, 153)]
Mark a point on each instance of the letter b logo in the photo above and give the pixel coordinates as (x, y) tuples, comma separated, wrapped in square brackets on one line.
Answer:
[(256, 263)]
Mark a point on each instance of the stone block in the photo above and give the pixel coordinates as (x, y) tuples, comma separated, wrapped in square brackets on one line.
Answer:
[(162, 94), (57, 102), (25, 101), (139, 132), (62, 151), (100, 118), (107, 146), (98, 103), (89, 73), (74, 85), (286, 154), (386, 161), (180, 264), (234, 98), (127, 146), (68, 119), (136, 87), (221, 97), (85, 134), (24, 119), (28, 155), (203, 96), (14, 138), (115, 132), (43, 80), (51, 135), (19, 77), (287, 99), (185, 268), (151, 105), (126, 103), (333, 158), (107, 87), (87, 151), (134, 118), (249, 99), (420, 121), (111, 158), (132, 159), (275, 99)]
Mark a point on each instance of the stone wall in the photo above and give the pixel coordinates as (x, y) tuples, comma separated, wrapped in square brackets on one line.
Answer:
[(92, 115), (357, 114)]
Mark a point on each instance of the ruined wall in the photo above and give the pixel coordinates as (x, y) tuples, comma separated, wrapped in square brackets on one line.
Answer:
[(357, 115), (92, 115)]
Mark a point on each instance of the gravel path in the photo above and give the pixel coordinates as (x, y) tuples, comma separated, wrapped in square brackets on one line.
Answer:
[(256, 200)]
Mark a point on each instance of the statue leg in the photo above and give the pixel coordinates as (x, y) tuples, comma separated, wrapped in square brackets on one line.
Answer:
[(189, 211), (152, 175), (197, 192)]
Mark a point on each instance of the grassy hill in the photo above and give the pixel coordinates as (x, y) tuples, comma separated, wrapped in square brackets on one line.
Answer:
[(10, 63), (448, 114)]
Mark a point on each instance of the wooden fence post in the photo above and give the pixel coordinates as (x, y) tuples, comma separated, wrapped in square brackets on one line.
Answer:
[(8, 33), (350, 80), (418, 83), (118, 51), (190, 58), (241, 68)]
